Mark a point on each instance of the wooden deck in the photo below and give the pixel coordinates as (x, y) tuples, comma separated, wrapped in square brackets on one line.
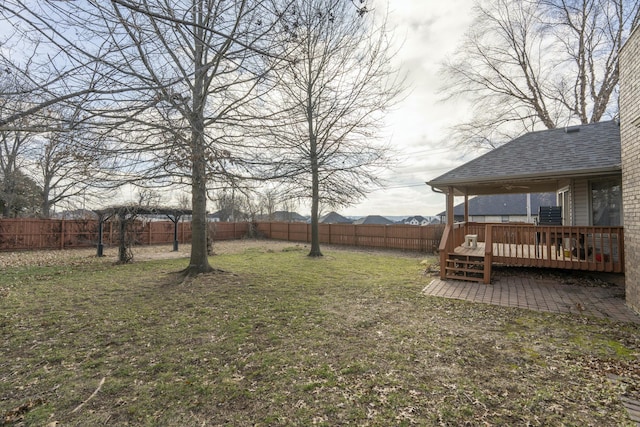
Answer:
[(463, 250), (540, 256), (586, 248)]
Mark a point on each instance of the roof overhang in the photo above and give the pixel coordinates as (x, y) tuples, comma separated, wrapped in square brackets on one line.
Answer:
[(517, 184)]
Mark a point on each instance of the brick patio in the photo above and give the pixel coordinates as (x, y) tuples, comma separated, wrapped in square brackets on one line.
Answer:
[(540, 294)]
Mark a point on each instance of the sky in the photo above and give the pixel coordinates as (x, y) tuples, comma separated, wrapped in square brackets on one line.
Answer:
[(430, 31)]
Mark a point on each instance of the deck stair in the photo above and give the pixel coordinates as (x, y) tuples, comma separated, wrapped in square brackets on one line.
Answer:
[(464, 267)]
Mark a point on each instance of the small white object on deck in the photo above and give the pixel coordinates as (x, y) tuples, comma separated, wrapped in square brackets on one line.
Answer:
[(471, 240)]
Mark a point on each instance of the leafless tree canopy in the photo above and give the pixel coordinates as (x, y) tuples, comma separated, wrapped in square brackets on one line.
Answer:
[(171, 94), (334, 89), (538, 64), (164, 87)]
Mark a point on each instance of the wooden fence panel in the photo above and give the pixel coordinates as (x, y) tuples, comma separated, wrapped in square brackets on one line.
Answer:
[(397, 236), (33, 234)]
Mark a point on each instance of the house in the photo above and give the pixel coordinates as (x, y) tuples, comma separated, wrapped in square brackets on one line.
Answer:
[(503, 207), (334, 218), (629, 103), (581, 165), (416, 220), (283, 216), (227, 215), (373, 219)]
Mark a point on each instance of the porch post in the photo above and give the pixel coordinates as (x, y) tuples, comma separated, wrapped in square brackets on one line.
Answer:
[(466, 207), (450, 206)]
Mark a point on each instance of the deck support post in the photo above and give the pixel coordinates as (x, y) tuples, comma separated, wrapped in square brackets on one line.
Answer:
[(450, 206), (466, 207)]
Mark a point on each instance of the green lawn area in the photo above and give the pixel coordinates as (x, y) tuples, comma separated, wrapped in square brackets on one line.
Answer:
[(283, 339)]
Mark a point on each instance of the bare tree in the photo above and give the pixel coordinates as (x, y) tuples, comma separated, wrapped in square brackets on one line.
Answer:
[(268, 200), (66, 163), (335, 89), (12, 146), (52, 59), (203, 64), (536, 64), (14, 143), (184, 201), (148, 198), (166, 86)]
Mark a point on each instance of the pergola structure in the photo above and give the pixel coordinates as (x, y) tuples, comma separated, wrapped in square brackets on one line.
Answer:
[(125, 213)]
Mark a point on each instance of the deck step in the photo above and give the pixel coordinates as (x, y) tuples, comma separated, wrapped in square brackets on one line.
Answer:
[(464, 267)]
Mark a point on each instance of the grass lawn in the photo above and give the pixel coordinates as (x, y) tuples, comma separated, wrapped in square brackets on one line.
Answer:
[(282, 339)]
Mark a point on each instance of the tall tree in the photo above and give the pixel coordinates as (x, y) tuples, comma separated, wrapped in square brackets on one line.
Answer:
[(14, 144), (170, 84), (203, 63), (66, 163), (25, 198), (527, 65), (334, 91)]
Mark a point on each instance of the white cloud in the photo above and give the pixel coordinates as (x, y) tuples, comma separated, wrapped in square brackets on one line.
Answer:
[(430, 32)]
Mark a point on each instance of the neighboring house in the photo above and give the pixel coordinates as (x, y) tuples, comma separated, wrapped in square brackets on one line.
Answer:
[(629, 103), (334, 218), (283, 216), (373, 219), (228, 215), (502, 207), (416, 220), (581, 164)]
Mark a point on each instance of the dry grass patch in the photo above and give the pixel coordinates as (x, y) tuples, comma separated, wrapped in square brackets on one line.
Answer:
[(283, 339)]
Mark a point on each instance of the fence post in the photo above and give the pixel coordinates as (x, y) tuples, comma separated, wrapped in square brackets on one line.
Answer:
[(62, 234), (385, 236), (355, 235)]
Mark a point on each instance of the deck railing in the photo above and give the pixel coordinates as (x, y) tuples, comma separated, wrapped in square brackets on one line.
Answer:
[(568, 247), (526, 245)]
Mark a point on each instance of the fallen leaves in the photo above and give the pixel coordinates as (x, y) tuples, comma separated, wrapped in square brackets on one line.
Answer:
[(17, 414)]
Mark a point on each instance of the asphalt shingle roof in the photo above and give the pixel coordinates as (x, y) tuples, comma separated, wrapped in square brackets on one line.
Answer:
[(373, 219), (334, 218), (563, 151)]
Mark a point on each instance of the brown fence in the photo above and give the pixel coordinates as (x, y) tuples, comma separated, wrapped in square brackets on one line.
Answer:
[(33, 234), (397, 236)]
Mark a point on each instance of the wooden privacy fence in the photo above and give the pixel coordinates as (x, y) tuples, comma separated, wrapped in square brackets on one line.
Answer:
[(34, 234), (396, 236)]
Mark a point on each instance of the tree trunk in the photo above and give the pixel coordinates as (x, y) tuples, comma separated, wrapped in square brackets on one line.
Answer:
[(199, 262), (46, 206), (315, 201)]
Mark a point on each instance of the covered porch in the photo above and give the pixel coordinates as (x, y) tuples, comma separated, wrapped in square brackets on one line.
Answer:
[(580, 165)]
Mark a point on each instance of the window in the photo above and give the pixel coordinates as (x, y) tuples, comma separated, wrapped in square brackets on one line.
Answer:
[(606, 202)]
